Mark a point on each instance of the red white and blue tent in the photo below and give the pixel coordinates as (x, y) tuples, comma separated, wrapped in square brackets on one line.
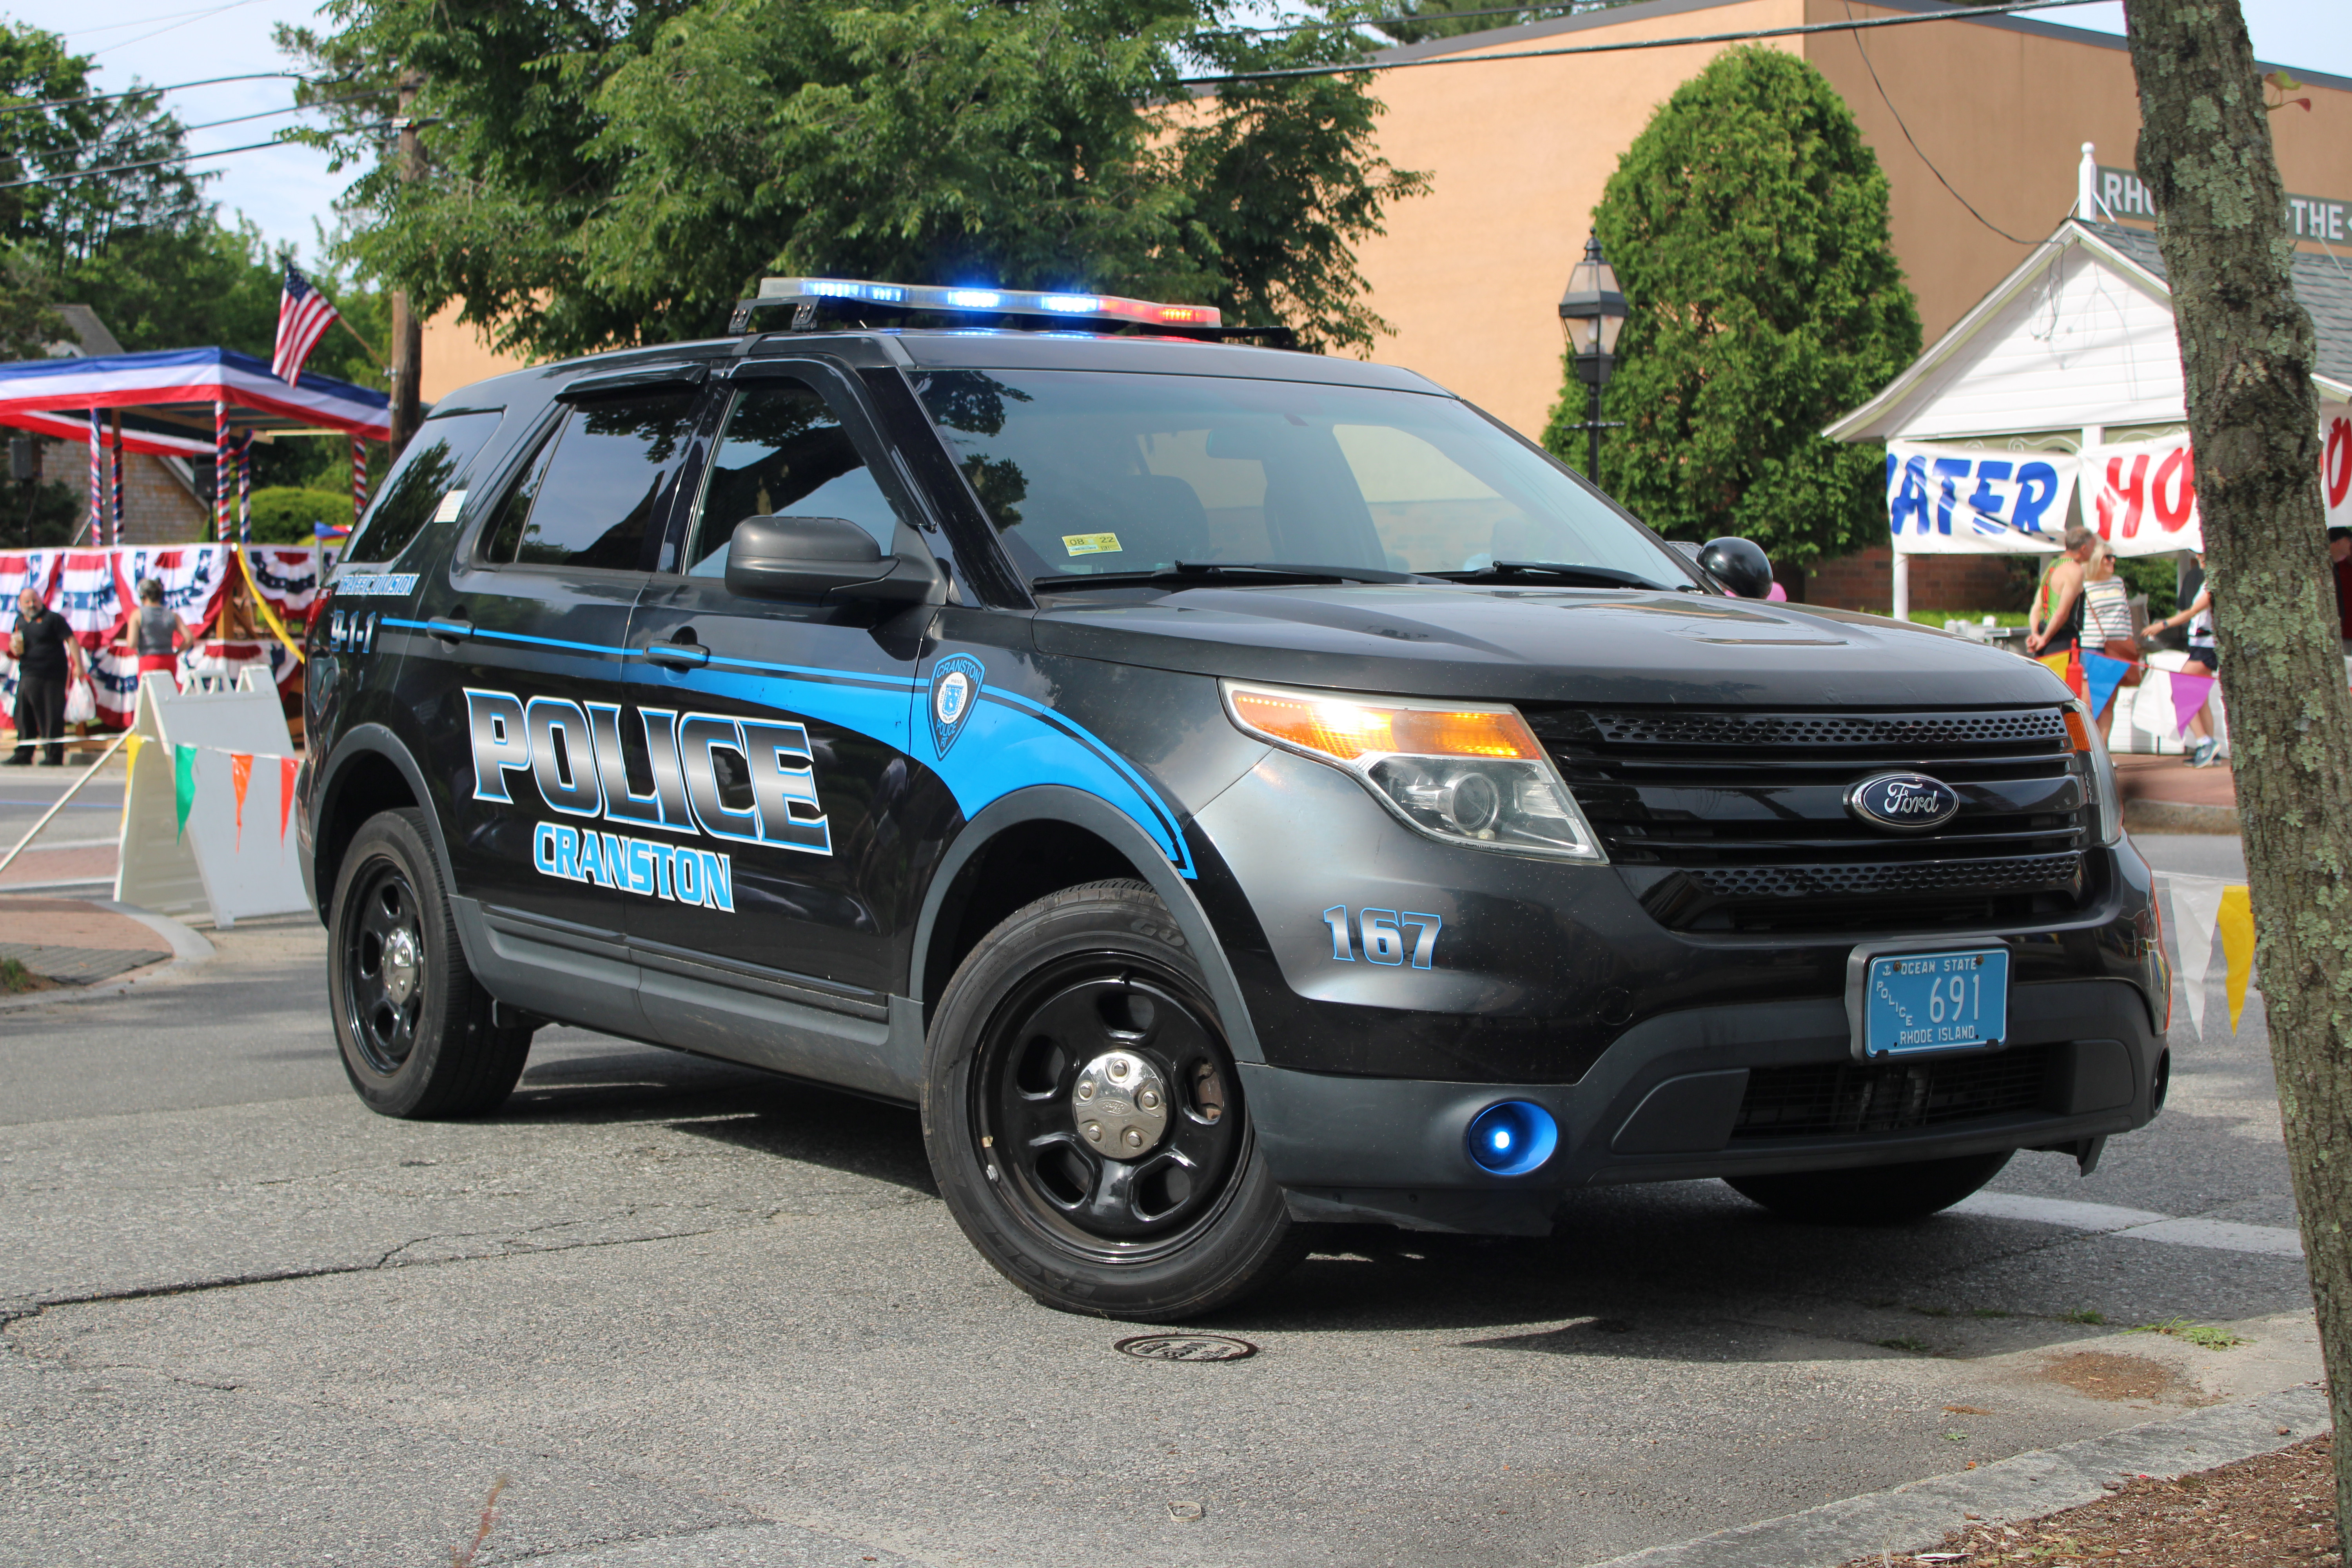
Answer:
[(186, 402)]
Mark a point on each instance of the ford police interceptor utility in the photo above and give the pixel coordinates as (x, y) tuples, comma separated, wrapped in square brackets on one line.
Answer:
[(1227, 789)]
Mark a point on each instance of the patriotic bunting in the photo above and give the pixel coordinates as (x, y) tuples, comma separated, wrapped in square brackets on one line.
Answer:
[(88, 593)]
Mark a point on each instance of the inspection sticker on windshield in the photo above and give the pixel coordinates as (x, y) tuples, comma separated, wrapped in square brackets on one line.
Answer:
[(452, 503), (1935, 1002), (1090, 544)]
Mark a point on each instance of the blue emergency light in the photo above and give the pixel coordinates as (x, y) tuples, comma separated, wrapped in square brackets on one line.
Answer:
[(1513, 1138), (995, 301)]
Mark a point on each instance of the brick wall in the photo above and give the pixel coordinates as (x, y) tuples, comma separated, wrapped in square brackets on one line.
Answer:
[(1865, 580), (156, 507)]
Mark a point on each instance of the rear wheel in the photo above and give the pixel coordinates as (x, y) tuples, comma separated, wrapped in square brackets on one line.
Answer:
[(413, 1027), (1085, 1121), (1872, 1195)]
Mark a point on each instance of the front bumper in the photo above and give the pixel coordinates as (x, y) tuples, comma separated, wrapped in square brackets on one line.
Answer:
[(1664, 1103)]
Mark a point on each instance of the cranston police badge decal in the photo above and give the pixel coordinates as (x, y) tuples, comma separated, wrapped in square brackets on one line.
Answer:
[(955, 691)]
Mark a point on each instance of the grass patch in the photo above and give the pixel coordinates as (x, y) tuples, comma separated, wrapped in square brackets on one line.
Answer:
[(2084, 1315), (1911, 1343), (2204, 1335), (14, 978)]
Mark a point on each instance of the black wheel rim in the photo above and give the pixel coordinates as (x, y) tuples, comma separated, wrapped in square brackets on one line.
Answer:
[(384, 967), (1085, 1200)]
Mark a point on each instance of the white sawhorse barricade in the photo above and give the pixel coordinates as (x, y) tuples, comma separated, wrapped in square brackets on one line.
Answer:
[(213, 868)]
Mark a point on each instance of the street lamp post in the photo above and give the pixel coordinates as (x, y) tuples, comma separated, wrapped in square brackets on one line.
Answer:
[(1592, 312)]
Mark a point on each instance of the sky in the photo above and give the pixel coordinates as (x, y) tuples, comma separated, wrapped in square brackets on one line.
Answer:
[(288, 193)]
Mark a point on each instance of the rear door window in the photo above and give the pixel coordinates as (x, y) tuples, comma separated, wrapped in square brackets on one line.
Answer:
[(597, 488), (423, 485)]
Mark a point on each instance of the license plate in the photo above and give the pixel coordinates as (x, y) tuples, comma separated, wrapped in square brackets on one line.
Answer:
[(1915, 1002)]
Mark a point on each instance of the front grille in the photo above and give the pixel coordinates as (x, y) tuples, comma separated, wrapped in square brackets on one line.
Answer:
[(1728, 820), (1828, 1098)]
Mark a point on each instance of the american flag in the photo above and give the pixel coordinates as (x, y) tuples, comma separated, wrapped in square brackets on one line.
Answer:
[(303, 317)]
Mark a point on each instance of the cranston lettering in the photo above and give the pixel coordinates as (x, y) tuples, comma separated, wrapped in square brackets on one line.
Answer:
[(674, 871), (752, 781)]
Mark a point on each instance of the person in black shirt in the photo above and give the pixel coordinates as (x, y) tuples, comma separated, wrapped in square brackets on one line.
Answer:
[(46, 657)]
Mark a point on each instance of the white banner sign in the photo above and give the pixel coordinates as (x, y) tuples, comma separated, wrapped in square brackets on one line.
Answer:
[(2335, 463), (1967, 500), (2141, 496)]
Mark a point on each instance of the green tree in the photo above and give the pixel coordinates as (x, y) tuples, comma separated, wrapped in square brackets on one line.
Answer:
[(1747, 225), (617, 174)]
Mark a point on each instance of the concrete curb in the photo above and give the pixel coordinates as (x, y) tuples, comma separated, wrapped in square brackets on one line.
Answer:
[(188, 950), (1914, 1517), (2179, 816)]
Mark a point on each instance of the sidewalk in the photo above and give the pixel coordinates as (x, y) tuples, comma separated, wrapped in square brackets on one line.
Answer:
[(2164, 795), (74, 943)]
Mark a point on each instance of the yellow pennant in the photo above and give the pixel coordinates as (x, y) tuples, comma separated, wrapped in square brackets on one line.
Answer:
[(2055, 663), (2237, 922)]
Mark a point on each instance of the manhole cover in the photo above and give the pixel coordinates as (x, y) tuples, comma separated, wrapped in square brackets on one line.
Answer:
[(1185, 1347)]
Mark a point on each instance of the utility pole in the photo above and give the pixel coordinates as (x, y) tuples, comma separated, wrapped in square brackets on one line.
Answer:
[(407, 332)]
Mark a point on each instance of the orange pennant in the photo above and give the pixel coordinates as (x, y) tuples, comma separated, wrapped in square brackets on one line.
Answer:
[(286, 766), (240, 774)]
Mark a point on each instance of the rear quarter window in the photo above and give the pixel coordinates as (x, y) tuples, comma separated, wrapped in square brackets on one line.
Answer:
[(432, 469)]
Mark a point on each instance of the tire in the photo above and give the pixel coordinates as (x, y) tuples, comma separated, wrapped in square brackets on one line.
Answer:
[(1099, 975), (1872, 1195), (413, 1026)]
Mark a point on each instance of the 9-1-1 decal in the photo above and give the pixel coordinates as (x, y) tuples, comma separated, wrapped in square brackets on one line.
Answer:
[(1383, 936)]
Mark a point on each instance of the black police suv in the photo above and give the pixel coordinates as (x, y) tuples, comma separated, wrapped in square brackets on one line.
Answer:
[(1227, 789)]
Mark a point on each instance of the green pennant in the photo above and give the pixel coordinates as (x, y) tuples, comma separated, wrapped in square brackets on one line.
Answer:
[(183, 784)]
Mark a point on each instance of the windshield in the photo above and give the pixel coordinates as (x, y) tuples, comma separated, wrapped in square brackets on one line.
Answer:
[(1089, 472)]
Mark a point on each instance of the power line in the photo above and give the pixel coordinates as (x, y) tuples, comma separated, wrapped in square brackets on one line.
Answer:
[(1573, 7), (1450, 60), (156, 163), (151, 91), (1863, 50)]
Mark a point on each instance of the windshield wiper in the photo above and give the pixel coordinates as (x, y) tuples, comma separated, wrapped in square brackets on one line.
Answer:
[(1197, 573), (1590, 577)]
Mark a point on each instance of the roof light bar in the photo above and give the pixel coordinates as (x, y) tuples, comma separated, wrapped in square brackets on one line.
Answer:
[(1007, 301)]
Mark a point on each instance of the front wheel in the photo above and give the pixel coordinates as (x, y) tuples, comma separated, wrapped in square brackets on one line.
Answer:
[(1872, 1195), (1085, 1121), (415, 1027)]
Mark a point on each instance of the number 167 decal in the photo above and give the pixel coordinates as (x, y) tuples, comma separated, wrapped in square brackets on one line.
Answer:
[(1383, 935)]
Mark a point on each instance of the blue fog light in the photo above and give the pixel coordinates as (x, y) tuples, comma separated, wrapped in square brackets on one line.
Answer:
[(1513, 1138)]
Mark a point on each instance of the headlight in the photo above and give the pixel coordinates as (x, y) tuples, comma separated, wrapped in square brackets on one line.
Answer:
[(1462, 773), (2096, 771)]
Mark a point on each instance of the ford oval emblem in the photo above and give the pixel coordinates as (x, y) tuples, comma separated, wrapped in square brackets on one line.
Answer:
[(1903, 803)]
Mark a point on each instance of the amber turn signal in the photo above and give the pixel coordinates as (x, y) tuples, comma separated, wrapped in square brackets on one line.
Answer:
[(1346, 730)]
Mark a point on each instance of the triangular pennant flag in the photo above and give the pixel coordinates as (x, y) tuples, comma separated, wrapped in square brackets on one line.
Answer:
[(2101, 676), (2196, 901), (286, 770), (2237, 922), (183, 785), (2188, 694), (131, 744), (240, 778), (2055, 663)]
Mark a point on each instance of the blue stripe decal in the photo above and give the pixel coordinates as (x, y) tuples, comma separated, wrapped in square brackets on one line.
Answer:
[(1010, 743)]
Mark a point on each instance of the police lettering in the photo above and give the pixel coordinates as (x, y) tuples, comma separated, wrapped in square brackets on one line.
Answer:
[(748, 780)]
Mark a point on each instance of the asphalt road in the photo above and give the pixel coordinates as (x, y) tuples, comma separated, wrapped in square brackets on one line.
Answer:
[(694, 1316)]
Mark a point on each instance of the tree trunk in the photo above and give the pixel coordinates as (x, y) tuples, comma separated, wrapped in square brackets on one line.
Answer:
[(2246, 347)]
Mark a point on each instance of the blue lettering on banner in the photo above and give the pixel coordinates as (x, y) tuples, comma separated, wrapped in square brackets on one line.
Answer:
[(675, 873), (1925, 495)]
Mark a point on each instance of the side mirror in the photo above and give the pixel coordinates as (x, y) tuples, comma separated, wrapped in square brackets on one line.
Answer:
[(829, 558), (1739, 565)]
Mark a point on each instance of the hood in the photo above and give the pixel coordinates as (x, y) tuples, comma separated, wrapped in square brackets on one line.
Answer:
[(1544, 644)]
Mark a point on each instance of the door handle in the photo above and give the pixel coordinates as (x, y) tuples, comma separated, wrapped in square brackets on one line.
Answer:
[(450, 630), (678, 655)]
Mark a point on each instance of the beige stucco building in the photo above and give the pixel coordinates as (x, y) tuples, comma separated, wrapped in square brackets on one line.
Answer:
[(1471, 275)]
